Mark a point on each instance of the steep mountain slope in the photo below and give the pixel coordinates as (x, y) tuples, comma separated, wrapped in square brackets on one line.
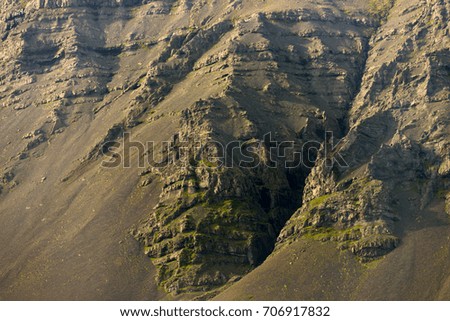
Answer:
[(79, 77), (394, 192)]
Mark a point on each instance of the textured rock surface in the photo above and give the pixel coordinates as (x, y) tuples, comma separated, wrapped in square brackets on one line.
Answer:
[(76, 74), (398, 138)]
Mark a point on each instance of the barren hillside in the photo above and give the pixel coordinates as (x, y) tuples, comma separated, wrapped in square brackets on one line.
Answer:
[(357, 208)]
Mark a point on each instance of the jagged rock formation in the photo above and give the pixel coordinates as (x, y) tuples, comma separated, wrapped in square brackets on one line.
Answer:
[(394, 186), (397, 142), (77, 76), (215, 223)]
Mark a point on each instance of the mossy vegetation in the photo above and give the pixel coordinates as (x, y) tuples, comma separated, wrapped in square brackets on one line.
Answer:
[(207, 163), (380, 8), (319, 201), (234, 231), (332, 233), (340, 217)]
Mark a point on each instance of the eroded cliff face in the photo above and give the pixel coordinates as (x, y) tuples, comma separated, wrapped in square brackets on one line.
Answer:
[(397, 146), (76, 75), (213, 224)]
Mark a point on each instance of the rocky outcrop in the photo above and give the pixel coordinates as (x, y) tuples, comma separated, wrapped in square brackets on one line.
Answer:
[(212, 218), (397, 143), (191, 81)]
